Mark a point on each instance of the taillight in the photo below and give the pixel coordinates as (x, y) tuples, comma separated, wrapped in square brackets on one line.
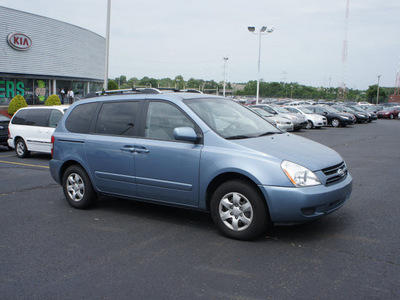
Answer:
[(52, 145)]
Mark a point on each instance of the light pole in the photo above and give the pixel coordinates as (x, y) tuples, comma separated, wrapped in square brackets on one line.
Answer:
[(252, 29), (225, 59), (377, 93), (105, 86)]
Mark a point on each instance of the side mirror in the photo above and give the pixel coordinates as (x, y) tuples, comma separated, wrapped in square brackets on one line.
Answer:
[(185, 134)]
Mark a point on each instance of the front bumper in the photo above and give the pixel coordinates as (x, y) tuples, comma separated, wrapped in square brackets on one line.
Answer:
[(361, 119), (344, 121), (382, 116), (298, 205), (286, 127), (300, 125), (320, 123)]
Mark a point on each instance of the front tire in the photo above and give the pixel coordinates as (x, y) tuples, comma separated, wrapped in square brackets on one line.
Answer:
[(78, 189), (21, 149), (310, 125), (335, 122), (239, 211)]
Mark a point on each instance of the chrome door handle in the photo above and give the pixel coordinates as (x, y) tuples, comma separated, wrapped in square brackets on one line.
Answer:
[(130, 149), (141, 150)]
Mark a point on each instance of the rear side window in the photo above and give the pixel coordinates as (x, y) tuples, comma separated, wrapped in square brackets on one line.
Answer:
[(80, 118), (38, 117), (55, 117), (117, 118), (20, 117)]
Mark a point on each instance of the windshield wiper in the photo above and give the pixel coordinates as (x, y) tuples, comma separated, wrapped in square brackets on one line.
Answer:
[(268, 133), (238, 137)]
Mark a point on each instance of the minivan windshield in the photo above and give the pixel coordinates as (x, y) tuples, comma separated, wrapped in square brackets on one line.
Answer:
[(230, 119)]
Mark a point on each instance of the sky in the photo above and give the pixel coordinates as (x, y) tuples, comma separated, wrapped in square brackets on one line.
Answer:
[(163, 39)]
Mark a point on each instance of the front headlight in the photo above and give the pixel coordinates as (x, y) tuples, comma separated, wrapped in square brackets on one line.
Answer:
[(299, 175)]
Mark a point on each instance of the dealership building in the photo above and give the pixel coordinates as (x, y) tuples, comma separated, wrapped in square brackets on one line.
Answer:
[(39, 56)]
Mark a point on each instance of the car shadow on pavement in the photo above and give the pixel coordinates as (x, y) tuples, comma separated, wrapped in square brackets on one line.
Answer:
[(317, 230)]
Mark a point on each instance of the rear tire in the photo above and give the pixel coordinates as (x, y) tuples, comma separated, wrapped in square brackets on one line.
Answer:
[(78, 189), (21, 149), (239, 211)]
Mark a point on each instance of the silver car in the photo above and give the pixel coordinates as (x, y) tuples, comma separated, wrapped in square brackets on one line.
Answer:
[(314, 120), (276, 120), (299, 121)]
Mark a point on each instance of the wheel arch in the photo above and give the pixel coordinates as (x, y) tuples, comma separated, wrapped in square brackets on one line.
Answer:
[(224, 177), (69, 163), (16, 138)]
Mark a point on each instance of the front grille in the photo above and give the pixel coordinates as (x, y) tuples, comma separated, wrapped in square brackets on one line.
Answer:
[(335, 173)]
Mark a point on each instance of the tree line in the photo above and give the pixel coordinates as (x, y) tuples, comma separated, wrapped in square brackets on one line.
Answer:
[(267, 89), (178, 82)]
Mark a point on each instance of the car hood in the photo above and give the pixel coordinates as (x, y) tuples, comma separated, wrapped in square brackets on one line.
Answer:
[(315, 116), (281, 119), (343, 114), (286, 146), (365, 115)]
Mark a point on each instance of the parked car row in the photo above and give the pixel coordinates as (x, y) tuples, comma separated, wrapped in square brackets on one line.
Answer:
[(31, 128), (317, 116)]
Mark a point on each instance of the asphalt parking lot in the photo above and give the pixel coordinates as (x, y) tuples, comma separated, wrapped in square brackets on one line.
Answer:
[(123, 249)]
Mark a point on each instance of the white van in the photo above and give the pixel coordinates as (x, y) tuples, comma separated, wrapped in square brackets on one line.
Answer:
[(31, 128)]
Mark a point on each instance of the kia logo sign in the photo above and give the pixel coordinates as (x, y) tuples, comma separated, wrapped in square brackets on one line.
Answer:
[(19, 41)]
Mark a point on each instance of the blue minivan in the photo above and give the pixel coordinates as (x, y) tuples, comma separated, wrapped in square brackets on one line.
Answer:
[(199, 152)]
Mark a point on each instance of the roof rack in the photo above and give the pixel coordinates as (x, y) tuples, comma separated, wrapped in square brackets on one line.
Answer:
[(127, 91), (142, 91)]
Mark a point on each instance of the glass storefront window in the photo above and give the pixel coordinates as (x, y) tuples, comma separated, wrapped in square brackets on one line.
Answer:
[(95, 87), (9, 87), (35, 91), (79, 89), (28, 89), (41, 91), (63, 84)]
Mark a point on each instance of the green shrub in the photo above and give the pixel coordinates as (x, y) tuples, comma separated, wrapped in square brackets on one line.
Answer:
[(112, 85), (16, 103), (52, 100)]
